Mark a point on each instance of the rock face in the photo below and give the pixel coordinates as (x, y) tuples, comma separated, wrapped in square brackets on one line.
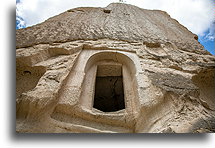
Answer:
[(119, 69)]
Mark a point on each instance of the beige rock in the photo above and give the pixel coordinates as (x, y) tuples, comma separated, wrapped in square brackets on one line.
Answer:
[(119, 69)]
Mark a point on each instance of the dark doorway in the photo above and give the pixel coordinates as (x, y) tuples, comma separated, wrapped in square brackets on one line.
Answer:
[(109, 94)]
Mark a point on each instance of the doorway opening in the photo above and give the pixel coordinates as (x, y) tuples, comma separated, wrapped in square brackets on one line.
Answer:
[(109, 93)]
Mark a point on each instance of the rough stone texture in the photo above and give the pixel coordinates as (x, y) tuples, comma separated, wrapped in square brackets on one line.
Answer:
[(168, 78)]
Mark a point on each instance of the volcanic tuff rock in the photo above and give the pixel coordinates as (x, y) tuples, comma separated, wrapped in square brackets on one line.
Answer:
[(168, 77)]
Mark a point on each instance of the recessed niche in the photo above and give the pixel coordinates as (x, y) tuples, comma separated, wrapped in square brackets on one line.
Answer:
[(109, 93), (106, 11), (27, 78)]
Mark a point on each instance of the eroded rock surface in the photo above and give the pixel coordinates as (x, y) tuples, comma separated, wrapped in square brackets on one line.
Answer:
[(168, 78)]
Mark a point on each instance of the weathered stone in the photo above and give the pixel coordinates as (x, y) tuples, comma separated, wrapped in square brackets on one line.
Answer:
[(158, 76)]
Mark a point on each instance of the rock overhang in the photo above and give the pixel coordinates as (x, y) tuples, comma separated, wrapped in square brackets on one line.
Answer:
[(117, 21), (172, 74)]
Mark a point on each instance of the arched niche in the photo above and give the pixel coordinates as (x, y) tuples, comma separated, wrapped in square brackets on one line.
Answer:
[(107, 67), (77, 95)]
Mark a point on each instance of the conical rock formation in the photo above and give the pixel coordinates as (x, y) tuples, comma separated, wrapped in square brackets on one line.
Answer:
[(166, 76)]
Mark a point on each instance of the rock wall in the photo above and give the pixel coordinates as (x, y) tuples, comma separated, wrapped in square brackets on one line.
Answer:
[(168, 78)]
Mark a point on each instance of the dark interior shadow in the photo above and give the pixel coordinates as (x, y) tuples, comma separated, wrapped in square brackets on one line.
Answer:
[(72, 137)]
